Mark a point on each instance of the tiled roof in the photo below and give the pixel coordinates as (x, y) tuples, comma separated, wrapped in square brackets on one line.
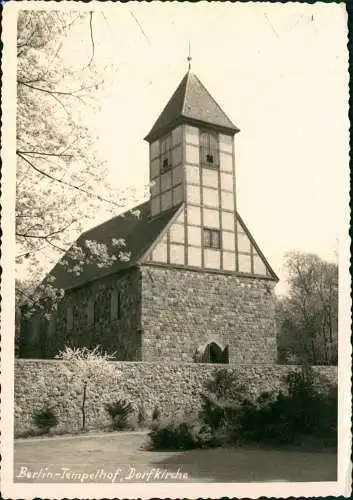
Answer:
[(139, 233), (191, 101)]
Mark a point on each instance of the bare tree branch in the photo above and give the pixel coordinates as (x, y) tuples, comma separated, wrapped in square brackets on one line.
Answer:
[(25, 295), (44, 236), (42, 153), (66, 183), (92, 40)]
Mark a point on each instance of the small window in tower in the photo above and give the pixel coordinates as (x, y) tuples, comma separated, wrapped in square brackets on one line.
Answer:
[(209, 149), (211, 238), (166, 145)]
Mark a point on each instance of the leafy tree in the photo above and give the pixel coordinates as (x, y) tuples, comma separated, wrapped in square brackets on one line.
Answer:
[(308, 317), (60, 179), (86, 368)]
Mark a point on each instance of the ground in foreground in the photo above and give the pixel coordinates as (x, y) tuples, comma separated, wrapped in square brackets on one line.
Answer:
[(123, 457)]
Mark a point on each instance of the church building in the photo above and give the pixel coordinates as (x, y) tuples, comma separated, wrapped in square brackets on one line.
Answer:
[(196, 286)]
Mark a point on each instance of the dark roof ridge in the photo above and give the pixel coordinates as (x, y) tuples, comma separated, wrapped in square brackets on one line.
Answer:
[(186, 90)]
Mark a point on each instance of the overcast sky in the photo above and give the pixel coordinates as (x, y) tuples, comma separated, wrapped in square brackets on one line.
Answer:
[(279, 71)]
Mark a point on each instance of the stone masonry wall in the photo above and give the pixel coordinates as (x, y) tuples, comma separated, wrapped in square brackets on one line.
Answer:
[(122, 335), (183, 311), (172, 387)]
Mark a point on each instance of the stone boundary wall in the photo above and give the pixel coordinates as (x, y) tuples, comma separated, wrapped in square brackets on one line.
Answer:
[(172, 387)]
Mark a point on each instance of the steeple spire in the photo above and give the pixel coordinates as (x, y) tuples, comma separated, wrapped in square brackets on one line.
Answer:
[(189, 57)]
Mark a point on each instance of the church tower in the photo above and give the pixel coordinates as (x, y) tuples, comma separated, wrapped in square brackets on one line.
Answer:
[(192, 163)]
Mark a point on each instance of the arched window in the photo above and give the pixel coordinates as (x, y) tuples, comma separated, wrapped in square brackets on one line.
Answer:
[(209, 150), (96, 310), (213, 353), (90, 312), (115, 305), (52, 323), (69, 318)]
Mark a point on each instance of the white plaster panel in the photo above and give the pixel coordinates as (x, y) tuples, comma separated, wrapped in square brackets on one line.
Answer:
[(176, 136), (228, 241), (210, 197), (178, 195), (192, 154), (229, 261), (166, 181), (155, 205), (193, 194), (211, 218), (194, 236), (154, 149), (159, 254), (177, 233), (194, 256), (210, 177), (227, 200), (194, 215), (259, 265), (228, 220), (193, 174), (243, 243), (155, 168), (244, 263), (177, 175), (226, 162), (212, 258), (177, 254), (176, 155), (227, 182), (192, 135), (166, 200), (226, 143)]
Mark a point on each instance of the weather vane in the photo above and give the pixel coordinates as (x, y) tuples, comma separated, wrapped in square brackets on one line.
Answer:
[(189, 56)]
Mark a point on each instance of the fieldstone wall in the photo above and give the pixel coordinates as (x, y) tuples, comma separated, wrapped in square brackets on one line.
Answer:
[(121, 335), (183, 311), (171, 387)]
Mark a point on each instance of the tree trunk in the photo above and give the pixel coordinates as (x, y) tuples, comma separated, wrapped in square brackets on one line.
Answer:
[(83, 407)]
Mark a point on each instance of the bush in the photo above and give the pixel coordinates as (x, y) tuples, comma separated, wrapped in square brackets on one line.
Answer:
[(156, 414), (45, 419), (186, 435), (212, 412), (293, 416), (300, 413), (119, 412), (141, 416), (225, 386)]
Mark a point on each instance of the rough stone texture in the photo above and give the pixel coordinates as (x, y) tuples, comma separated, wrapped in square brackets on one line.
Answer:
[(172, 387), (183, 311), (122, 336), (169, 313)]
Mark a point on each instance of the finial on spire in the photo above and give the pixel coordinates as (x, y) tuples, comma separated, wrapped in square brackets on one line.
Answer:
[(189, 57)]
